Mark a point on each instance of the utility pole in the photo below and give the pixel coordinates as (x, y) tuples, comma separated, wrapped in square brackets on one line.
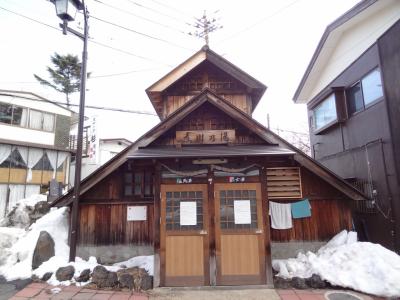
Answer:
[(205, 26)]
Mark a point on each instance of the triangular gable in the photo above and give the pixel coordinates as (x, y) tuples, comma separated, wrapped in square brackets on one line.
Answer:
[(208, 96), (255, 87)]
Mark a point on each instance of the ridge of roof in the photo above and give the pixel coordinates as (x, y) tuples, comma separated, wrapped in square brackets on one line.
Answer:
[(220, 62)]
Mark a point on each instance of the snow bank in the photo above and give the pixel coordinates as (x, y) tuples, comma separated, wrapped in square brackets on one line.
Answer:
[(145, 262), (18, 264), (362, 266), (80, 264), (20, 211)]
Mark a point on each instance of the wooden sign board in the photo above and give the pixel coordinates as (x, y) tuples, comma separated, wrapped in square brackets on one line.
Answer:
[(205, 136)]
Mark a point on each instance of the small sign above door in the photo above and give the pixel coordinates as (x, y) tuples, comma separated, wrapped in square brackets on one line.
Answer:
[(184, 180), (205, 136)]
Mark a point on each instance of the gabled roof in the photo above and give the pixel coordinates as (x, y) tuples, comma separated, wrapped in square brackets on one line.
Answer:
[(33, 97), (343, 41), (255, 87), (207, 96)]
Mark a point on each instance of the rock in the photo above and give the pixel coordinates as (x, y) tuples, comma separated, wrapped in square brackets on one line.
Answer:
[(141, 279), (65, 273), (44, 249), (282, 283), (147, 283), (46, 276), (39, 210), (316, 282), (84, 276), (126, 281), (103, 278), (299, 283)]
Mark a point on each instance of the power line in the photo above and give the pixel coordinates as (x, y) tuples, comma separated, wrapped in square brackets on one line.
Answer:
[(90, 40), (157, 11), (140, 33), (259, 21), (113, 109), (141, 17), (122, 73), (141, 112), (170, 8)]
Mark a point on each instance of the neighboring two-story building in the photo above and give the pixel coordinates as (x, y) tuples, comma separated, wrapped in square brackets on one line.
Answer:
[(34, 148), (352, 91)]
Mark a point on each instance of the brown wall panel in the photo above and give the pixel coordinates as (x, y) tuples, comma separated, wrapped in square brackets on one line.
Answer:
[(106, 224)]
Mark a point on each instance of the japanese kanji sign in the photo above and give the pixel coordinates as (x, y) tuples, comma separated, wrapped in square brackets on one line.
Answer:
[(206, 136)]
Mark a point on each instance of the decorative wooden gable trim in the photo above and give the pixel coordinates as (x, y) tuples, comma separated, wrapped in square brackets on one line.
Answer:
[(206, 125), (256, 128), (253, 87), (284, 183)]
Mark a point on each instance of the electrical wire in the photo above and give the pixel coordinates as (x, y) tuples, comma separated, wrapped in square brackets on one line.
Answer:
[(157, 12), (141, 112), (170, 8), (90, 39), (141, 17), (258, 22), (140, 33), (123, 73)]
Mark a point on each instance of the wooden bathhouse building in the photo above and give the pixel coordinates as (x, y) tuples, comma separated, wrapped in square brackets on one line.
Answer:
[(195, 190)]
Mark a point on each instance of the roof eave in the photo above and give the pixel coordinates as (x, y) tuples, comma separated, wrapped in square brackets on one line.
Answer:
[(355, 10)]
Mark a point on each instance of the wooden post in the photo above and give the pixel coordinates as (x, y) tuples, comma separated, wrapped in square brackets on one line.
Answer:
[(211, 229), (266, 225), (157, 216)]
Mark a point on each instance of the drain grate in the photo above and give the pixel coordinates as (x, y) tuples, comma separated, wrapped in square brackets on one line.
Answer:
[(341, 296)]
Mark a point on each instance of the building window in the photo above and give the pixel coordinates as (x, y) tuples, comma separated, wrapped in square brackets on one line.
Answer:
[(13, 115), (41, 120), (364, 92), (325, 113), (18, 116), (138, 183)]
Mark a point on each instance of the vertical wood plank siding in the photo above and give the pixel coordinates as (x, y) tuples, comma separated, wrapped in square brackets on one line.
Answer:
[(328, 217), (330, 212), (106, 224)]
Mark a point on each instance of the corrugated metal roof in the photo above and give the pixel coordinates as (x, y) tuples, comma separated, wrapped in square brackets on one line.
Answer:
[(208, 151)]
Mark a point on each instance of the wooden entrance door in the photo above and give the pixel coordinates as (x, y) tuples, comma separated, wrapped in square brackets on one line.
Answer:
[(184, 235), (239, 234)]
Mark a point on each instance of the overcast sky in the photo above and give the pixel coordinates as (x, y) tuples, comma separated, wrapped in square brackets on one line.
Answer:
[(271, 40)]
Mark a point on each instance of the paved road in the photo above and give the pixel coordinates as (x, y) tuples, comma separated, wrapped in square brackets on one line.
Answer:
[(9, 289)]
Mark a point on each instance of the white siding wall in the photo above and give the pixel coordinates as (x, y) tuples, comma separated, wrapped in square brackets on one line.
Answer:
[(15, 133), (353, 43)]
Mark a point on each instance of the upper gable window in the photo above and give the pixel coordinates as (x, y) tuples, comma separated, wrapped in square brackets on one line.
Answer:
[(364, 92), (325, 112)]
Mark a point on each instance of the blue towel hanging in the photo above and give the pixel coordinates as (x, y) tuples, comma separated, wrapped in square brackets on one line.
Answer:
[(301, 209)]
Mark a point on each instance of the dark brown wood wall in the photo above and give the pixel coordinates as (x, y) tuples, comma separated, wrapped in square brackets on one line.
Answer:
[(103, 215), (330, 212), (106, 224)]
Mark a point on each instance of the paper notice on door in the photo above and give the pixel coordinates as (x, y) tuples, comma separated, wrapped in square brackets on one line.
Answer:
[(137, 213), (242, 211), (188, 213)]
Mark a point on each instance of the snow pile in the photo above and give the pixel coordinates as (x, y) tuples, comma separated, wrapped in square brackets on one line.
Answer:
[(145, 262), (80, 264), (19, 213), (18, 264), (362, 266)]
